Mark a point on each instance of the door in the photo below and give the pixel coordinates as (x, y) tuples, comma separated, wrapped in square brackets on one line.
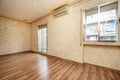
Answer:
[(42, 39)]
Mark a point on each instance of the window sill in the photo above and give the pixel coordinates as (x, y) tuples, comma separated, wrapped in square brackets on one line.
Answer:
[(102, 43)]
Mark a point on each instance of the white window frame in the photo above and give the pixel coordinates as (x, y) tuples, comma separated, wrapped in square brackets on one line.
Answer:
[(98, 7)]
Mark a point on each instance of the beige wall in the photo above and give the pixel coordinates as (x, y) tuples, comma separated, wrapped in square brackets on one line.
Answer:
[(14, 36), (64, 38), (107, 56)]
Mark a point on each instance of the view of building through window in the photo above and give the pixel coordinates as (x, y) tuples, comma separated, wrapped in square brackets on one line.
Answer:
[(108, 25), (101, 25)]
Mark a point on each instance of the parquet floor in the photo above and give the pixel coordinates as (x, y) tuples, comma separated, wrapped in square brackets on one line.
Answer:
[(31, 66)]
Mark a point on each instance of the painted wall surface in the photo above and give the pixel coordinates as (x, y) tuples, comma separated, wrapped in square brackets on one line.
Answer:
[(14, 36), (107, 56), (64, 38)]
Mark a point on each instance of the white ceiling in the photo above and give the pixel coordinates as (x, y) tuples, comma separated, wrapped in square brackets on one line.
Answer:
[(28, 9)]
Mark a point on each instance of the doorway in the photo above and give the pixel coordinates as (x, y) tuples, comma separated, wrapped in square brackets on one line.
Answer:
[(42, 39)]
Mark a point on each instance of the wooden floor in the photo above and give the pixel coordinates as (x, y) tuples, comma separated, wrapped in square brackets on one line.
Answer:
[(30, 66)]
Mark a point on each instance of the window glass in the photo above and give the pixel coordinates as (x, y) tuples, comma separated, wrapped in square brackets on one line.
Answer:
[(92, 24), (108, 22), (42, 34)]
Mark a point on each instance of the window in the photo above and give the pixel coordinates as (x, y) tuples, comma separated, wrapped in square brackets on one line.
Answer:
[(101, 23), (42, 39), (92, 24)]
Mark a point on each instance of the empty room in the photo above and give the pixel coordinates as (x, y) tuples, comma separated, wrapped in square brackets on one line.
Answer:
[(59, 39)]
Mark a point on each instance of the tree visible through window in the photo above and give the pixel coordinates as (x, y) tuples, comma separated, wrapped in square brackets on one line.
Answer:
[(101, 23)]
